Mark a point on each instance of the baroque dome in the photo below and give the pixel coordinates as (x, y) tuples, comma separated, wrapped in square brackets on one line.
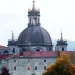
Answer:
[(34, 35)]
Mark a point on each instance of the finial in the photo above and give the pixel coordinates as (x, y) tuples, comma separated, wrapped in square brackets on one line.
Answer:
[(33, 8), (33, 1), (12, 35)]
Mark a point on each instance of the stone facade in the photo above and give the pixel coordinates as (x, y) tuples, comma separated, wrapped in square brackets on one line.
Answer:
[(28, 66)]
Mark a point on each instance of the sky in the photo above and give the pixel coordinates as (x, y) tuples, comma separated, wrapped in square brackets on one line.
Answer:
[(56, 15)]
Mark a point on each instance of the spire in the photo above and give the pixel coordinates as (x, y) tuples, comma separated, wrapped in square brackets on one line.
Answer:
[(33, 8), (61, 36), (12, 35)]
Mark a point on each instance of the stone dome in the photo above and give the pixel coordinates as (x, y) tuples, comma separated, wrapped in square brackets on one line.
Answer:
[(34, 35)]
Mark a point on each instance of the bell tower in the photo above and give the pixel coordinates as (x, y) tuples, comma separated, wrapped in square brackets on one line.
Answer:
[(33, 16), (61, 44)]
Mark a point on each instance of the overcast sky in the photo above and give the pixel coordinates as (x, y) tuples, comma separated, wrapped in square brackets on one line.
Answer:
[(56, 15)]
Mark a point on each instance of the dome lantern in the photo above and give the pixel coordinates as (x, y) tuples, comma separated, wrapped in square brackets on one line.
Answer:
[(33, 16)]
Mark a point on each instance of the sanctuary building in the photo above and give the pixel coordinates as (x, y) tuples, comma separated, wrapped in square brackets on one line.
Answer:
[(33, 51)]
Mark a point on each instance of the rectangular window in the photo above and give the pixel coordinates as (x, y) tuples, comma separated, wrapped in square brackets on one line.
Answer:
[(14, 68), (14, 61), (28, 60), (44, 67), (28, 67), (44, 60), (35, 67)]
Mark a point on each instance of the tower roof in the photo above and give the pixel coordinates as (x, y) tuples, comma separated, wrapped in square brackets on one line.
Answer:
[(61, 41)]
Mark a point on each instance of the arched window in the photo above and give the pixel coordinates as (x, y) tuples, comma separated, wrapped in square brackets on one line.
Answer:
[(30, 20), (6, 52), (62, 48), (13, 50)]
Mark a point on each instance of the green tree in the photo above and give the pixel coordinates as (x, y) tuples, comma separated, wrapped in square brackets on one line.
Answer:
[(62, 66)]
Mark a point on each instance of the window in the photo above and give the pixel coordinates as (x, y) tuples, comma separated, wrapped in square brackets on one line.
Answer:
[(44, 67), (14, 68), (44, 60), (38, 50), (0, 61), (13, 50), (28, 60), (14, 61), (62, 48), (6, 52), (30, 20), (38, 20), (28, 67), (35, 67), (23, 49)]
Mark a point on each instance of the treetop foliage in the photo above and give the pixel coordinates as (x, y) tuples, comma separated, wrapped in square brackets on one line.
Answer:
[(62, 66)]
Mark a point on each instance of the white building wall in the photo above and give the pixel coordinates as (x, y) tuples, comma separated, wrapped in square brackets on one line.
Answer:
[(22, 64)]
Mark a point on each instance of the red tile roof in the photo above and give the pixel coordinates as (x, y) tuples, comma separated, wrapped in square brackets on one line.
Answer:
[(35, 54), (4, 56)]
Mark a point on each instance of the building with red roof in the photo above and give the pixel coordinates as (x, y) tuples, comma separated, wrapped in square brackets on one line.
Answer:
[(33, 51)]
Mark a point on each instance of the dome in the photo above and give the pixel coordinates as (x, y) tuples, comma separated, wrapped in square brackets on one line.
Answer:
[(34, 35)]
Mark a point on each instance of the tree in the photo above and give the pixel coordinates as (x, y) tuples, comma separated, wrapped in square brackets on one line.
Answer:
[(58, 53), (62, 66), (72, 57), (5, 71)]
